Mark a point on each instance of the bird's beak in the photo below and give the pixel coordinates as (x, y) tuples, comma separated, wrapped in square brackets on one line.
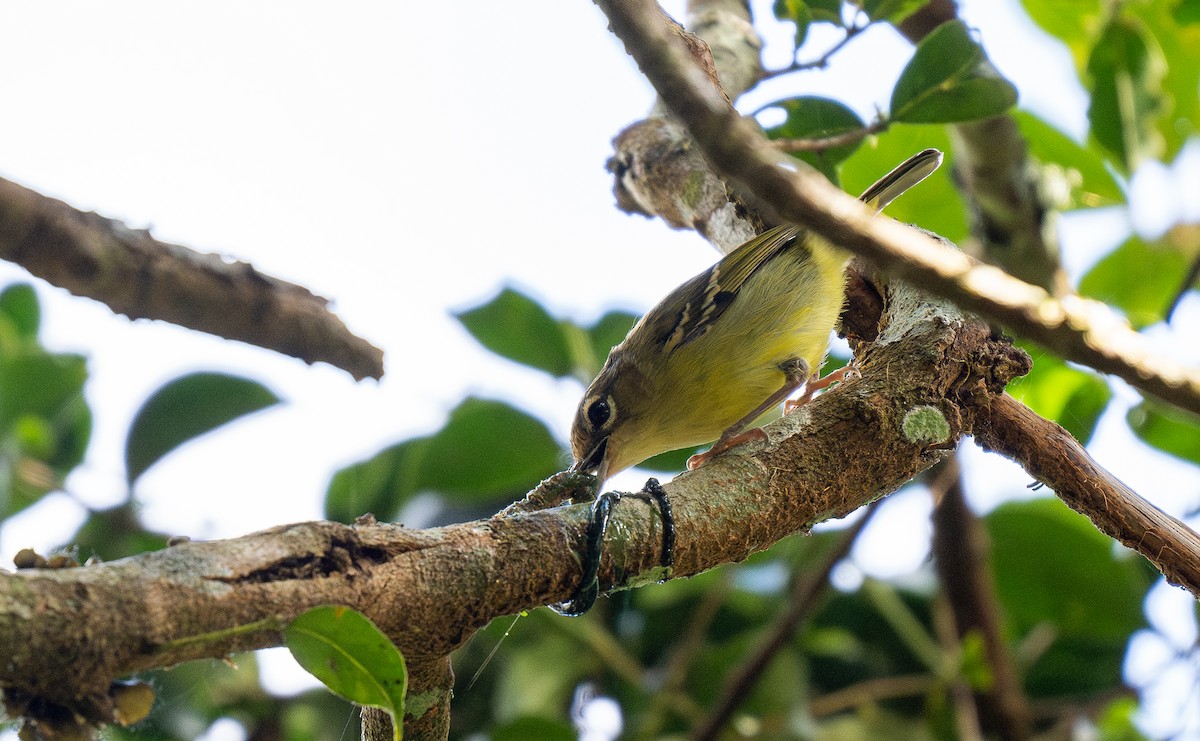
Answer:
[(596, 460)]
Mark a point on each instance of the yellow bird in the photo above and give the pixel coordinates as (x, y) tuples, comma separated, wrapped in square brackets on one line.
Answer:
[(726, 346)]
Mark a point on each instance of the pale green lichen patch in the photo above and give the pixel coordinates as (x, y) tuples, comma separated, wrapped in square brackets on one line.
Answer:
[(924, 425), (416, 704)]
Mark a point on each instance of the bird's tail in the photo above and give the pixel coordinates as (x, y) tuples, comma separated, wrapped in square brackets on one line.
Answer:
[(904, 176)]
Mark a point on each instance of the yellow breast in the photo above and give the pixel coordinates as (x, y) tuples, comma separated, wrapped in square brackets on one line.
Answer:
[(783, 312)]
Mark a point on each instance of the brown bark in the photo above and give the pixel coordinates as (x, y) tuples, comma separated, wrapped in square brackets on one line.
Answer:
[(1053, 457), (143, 278)]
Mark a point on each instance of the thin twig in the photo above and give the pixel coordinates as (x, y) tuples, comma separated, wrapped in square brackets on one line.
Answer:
[(871, 690), (820, 62), (683, 654), (961, 553), (821, 144), (807, 588)]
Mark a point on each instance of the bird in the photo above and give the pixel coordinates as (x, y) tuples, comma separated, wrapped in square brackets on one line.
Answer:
[(724, 347)]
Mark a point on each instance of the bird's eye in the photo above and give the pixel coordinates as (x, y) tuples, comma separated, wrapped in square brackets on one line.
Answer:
[(599, 412)]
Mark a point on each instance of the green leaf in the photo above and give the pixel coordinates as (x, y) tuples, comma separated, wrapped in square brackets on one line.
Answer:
[(950, 79), (609, 330), (19, 304), (1073, 398), (488, 448), (798, 12), (672, 461), (35, 382), (379, 485), (1126, 71), (487, 451), (1081, 169), (1052, 568), (515, 326), (1117, 722), (1052, 564), (45, 422), (826, 11), (870, 646), (1176, 38), (115, 533), (1076, 23), (891, 11), (813, 117), (935, 203), (352, 657), (534, 728), (1186, 12), (1139, 278), (1167, 428), (183, 410)]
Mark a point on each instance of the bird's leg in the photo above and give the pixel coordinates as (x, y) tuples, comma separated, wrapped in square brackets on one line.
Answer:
[(795, 373), (589, 585), (816, 384)]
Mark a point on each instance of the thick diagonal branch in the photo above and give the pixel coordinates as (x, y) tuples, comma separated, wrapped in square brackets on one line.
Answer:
[(141, 277), (1084, 331)]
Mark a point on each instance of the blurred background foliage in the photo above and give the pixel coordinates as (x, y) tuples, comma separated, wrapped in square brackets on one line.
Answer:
[(868, 658)]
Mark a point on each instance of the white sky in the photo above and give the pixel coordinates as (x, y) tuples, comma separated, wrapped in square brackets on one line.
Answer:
[(405, 160)]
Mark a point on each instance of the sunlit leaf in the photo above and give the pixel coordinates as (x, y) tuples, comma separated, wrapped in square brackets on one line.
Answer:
[(183, 410), (1118, 721), (798, 12), (950, 79), (351, 657), (891, 11), (1177, 39), (1186, 12), (1126, 72), (1167, 428), (1071, 397), (813, 117), (486, 451), (934, 203), (1079, 168), (1139, 278), (516, 327)]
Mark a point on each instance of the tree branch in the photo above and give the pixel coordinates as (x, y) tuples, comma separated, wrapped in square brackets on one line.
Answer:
[(807, 587), (961, 554), (657, 171), (141, 277), (1052, 456), (68, 633), (1081, 330)]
